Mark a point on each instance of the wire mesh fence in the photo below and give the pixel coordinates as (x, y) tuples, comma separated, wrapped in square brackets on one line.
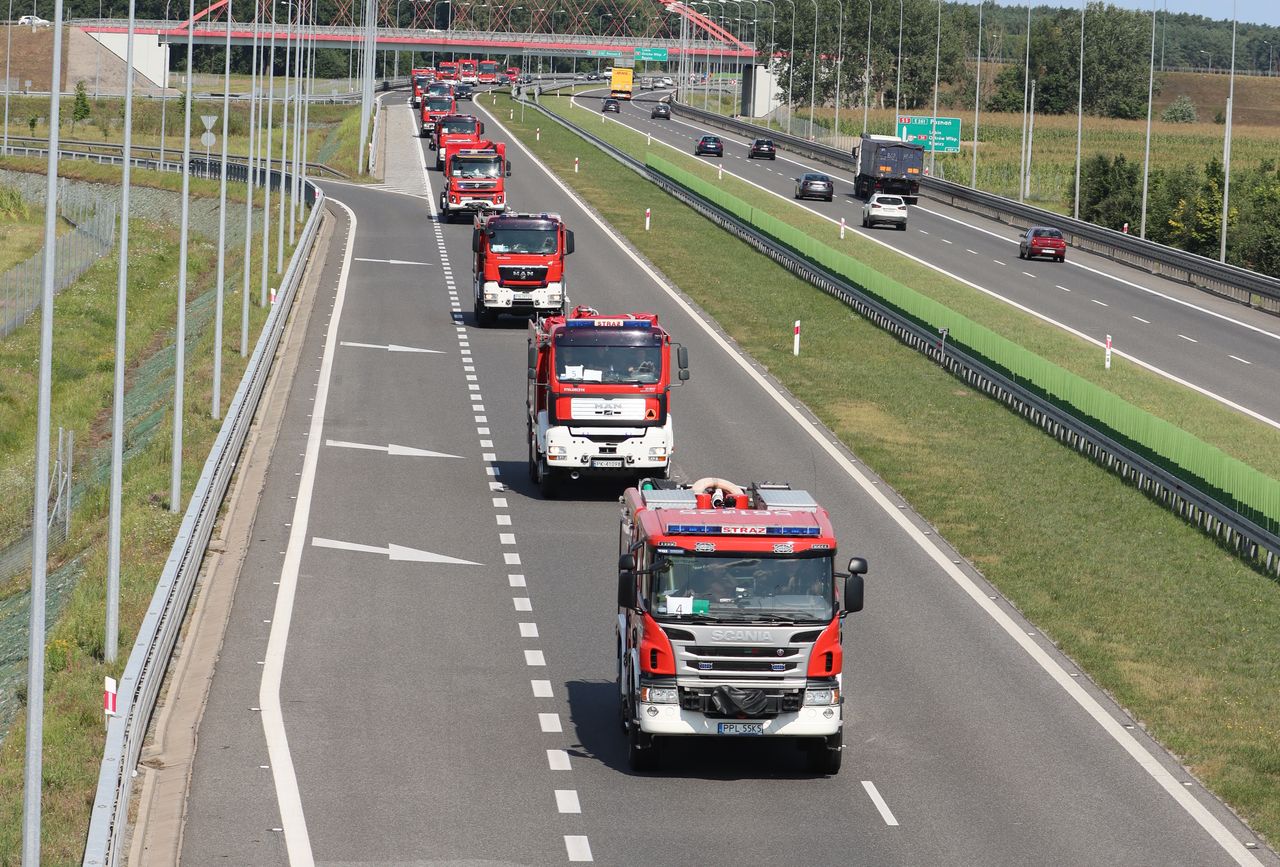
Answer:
[(93, 232)]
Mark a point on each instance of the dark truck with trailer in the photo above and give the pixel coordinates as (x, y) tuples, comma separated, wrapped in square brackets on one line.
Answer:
[(888, 164)]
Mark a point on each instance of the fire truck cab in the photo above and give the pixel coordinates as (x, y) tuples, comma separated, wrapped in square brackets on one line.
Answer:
[(519, 265), (454, 132), (475, 179), (434, 108), (599, 395), (729, 617)]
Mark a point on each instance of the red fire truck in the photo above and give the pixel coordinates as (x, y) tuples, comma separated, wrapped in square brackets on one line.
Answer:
[(488, 72), (519, 265), (513, 72), (599, 394), (454, 132), (475, 179), (729, 617), (447, 70), (467, 73), (434, 108), (420, 79)]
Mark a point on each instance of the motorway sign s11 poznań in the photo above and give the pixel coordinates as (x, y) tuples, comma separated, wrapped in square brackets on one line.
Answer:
[(946, 135)]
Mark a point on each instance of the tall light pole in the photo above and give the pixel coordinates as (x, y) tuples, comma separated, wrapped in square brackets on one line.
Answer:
[(180, 360), (839, 64), (897, 92), (866, 84), (8, 53), (1079, 114), (220, 279), (164, 85), (33, 772), (813, 73), (284, 136), (1146, 157), (977, 100), (266, 163), (791, 64), (1226, 144), (255, 114), (1026, 92), (933, 124), (112, 637)]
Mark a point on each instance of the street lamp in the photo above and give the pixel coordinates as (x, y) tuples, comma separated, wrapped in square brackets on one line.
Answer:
[(839, 64), (897, 91), (977, 97), (1079, 113), (1208, 55), (1226, 144), (866, 84), (1270, 67), (933, 124), (813, 73), (1146, 158), (1026, 89)]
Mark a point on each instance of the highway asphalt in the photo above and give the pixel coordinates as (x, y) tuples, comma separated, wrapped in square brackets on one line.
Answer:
[(465, 712), (1217, 345)]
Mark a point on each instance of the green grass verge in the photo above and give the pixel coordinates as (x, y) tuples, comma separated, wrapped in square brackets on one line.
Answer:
[(1238, 435), (84, 336), (1178, 630)]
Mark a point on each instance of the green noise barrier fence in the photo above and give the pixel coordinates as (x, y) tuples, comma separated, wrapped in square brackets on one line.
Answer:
[(1201, 467)]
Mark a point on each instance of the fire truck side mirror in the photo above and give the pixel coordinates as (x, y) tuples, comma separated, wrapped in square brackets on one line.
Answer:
[(682, 362), (857, 566), (481, 128), (568, 241), (852, 593), (626, 581), (475, 240), (508, 169)]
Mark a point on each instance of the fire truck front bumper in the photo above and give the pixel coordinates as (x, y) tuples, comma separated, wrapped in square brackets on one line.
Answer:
[(671, 719), (531, 300), (484, 202), (586, 450)]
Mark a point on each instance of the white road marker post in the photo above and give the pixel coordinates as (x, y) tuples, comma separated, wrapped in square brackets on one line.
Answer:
[(1107, 363), (648, 139), (842, 228), (795, 340), (719, 173), (646, 219), (537, 134), (575, 165), (109, 692)]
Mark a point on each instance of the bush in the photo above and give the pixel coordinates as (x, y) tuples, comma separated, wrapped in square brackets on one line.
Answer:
[(1181, 110)]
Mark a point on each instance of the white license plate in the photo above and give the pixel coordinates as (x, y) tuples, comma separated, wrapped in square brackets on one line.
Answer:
[(606, 465), (740, 728)]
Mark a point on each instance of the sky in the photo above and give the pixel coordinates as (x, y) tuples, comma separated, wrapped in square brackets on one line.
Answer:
[(1255, 11)]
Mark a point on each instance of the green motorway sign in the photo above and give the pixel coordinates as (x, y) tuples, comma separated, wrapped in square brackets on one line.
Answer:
[(659, 54), (946, 137)]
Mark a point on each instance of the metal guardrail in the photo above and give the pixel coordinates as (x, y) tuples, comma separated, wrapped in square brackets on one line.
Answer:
[(144, 672), (1234, 530), (91, 148), (1238, 284)]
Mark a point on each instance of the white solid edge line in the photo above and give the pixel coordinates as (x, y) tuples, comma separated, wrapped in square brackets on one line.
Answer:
[(1088, 703), (881, 804), (292, 819)]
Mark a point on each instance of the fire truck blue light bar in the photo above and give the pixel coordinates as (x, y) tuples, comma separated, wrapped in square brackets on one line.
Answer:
[(737, 530), (641, 324)]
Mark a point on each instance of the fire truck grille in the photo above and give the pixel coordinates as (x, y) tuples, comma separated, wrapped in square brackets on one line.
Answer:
[(523, 274), (744, 652), (776, 702), (741, 666)]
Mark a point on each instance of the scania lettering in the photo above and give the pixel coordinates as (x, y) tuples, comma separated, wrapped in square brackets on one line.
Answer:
[(519, 265), (729, 634), (475, 180), (599, 396)]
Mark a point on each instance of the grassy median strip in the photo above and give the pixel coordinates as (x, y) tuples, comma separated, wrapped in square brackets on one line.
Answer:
[(84, 328), (1236, 434), (1178, 630)]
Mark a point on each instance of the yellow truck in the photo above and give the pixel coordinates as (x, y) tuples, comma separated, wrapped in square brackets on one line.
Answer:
[(620, 82)]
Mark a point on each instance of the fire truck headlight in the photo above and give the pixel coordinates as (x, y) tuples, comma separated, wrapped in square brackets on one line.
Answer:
[(659, 694), (826, 695), (657, 451), (556, 451)]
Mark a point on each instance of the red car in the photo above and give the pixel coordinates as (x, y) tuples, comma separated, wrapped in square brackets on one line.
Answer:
[(1042, 241)]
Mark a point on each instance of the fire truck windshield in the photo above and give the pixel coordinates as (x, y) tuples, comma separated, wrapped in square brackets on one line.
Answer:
[(742, 589), (629, 364), (467, 125), (439, 104), (476, 167), (539, 239), (486, 66)]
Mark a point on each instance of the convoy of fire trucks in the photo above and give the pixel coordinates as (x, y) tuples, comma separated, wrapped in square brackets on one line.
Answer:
[(729, 605)]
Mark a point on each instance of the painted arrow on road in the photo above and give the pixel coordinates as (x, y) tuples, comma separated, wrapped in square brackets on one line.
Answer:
[(390, 347), (392, 552), (393, 450)]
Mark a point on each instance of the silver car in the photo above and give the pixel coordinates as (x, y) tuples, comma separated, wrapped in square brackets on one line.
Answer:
[(815, 185)]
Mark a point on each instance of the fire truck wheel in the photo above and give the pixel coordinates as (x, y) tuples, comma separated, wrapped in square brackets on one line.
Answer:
[(642, 750), (548, 480), (825, 755), (484, 316)]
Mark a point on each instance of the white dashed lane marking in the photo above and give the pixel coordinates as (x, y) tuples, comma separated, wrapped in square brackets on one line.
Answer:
[(1239, 359), (1188, 339), (1143, 321), (1099, 303)]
